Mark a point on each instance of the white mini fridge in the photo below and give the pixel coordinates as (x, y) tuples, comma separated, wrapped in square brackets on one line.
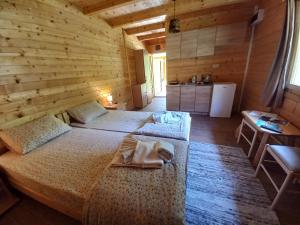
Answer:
[(222, 99)]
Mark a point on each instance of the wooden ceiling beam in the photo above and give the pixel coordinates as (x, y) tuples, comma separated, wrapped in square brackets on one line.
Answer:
[(167, 9), (213, 10), (152, 36), (140, 15), (145, 28), (103, 5), (156, 41)]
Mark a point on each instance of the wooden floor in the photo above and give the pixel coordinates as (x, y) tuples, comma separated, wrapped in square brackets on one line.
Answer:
[(204, 129)]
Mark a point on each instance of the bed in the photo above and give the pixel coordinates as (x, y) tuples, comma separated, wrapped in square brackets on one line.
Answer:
[(141, 123), (61, 172), (117, 120)]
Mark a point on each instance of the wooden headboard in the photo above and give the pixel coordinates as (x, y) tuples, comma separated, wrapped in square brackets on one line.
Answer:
[(64, 116)]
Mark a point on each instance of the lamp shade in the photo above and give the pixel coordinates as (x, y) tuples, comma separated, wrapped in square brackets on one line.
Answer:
[(109, 99), (174, 26)]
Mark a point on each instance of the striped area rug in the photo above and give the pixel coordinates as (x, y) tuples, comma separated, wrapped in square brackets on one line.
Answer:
[(222, 188)]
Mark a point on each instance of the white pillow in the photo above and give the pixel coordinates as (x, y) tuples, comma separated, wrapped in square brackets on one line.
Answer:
[(87, 112), (25, 138)]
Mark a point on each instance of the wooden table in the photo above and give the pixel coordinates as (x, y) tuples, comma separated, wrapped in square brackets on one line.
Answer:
[(288, 130)]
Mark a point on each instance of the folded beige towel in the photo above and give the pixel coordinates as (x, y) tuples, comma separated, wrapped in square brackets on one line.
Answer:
[(146, 156), (126, 149), (134, 153), (165, 150)]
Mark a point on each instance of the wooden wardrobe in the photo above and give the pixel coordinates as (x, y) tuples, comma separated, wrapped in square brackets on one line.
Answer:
[(143, 91)]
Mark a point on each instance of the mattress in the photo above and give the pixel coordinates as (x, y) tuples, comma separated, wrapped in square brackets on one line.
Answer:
[(118, 120), (180, 131), (141, 123), (65, 168)]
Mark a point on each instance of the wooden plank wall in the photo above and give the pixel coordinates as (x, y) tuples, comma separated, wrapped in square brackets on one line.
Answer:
[(266, 39), (53, 57), (291, 107), (226, 37)]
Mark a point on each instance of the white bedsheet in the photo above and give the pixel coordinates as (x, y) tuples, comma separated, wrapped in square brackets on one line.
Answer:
[(179, 130), (118, 120), (140, 123)]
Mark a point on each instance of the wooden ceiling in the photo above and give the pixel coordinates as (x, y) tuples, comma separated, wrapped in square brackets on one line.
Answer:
[(147, 19)]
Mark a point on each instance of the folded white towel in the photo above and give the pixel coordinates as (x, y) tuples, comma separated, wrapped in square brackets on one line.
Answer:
[(166, 117), (134, 153), (165, 150)]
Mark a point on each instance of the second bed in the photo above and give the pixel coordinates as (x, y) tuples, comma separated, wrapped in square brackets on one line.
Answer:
[(141, 123)]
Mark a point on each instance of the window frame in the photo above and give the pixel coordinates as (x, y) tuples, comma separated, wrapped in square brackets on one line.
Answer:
[(296, 41)]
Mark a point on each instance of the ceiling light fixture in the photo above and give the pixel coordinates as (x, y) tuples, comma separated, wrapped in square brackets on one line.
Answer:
[(174, 26)]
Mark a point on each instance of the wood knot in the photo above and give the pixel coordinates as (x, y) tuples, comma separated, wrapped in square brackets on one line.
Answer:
[(20, 115)]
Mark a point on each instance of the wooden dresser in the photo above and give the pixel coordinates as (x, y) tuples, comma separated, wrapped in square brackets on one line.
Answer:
[(189, 98)]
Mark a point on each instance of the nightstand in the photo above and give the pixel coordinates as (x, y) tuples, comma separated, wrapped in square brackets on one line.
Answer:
[(111, 107), (7, 199)]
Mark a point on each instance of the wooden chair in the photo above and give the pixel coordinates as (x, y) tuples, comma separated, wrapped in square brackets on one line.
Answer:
[(288, 158), (252, 141)]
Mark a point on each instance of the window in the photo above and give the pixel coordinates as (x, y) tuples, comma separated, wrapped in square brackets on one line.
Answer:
[(295, 75), (295, 72)]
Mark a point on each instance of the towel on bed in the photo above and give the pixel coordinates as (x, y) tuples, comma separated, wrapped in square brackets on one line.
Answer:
[(133, 153), (123, 195), (179, 130), (166, 117), (165, 150)]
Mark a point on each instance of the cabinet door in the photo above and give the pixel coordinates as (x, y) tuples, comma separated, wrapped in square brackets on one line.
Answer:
[(206, 41), (139, 93), (173, 43), (140, 66), (144, 94), (187, 98), (173, 98), (203, 99), (189, 44)]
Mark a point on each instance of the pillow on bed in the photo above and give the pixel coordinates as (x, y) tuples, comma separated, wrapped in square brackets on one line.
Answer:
[(25, 138), (87, 112)]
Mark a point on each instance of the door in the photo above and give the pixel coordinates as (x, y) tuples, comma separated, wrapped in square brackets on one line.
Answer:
[(159, 73)]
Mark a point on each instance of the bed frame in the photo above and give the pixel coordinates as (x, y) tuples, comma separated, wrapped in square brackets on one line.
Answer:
[(77, 215)]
